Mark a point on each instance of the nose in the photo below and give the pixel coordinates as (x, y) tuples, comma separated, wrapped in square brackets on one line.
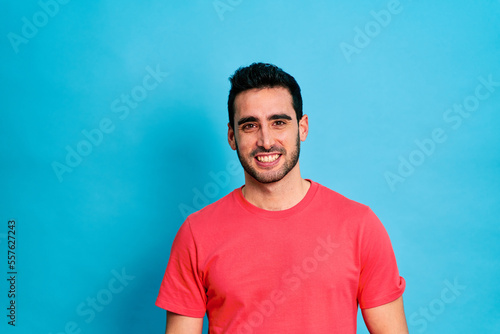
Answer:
[(265, 138)]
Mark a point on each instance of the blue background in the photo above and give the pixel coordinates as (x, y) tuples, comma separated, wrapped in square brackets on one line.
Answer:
[(121, 205)]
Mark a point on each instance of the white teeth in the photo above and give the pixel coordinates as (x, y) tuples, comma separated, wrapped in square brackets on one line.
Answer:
[(268, 158)]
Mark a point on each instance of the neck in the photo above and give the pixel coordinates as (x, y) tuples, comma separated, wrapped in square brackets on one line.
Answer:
[(276, 196)]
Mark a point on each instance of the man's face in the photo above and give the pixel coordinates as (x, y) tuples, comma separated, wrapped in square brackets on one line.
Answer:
[(266, 135)]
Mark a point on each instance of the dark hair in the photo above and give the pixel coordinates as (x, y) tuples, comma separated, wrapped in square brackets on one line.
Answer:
[(262, 75)]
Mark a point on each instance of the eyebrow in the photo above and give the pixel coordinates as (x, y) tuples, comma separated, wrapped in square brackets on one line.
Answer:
[(270, 118), (279, 116), (247, 119)]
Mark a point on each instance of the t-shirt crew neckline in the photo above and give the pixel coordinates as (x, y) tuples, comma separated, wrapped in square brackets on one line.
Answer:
[(311, 192)]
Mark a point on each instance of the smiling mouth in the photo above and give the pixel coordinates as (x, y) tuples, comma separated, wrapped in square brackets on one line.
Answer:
[(267, 158)]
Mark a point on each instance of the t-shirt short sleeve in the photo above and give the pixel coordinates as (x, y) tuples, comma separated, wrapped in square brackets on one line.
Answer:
[(379, 281), (182, 290)]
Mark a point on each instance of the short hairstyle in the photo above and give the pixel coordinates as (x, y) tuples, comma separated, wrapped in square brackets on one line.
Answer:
[(262, 75)]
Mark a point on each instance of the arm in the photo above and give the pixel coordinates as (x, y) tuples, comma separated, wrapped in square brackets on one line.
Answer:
[(180, 324), (386, 319)]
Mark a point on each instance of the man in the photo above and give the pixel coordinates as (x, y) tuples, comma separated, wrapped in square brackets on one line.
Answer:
[(281, 254)]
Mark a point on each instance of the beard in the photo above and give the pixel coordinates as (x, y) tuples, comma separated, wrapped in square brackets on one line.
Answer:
[(271, 176)]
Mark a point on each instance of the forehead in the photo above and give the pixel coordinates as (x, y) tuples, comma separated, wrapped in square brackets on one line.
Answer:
[(263, 102)]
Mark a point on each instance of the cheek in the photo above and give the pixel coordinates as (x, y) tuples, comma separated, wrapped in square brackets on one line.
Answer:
[(246, 139), (242, 143), (288, 138)]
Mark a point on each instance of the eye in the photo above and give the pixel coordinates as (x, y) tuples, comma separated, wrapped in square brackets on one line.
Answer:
[(279, 123), (248, 126)]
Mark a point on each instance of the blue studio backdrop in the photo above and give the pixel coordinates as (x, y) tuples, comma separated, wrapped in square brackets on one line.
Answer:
[(114, 121)]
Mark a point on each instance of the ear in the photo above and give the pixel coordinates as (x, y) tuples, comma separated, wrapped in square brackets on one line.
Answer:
[(303, 127), (230, 136)]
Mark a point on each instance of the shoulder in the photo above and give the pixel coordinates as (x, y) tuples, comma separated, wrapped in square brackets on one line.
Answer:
[(332, 199), (353, 215), (215, 211)]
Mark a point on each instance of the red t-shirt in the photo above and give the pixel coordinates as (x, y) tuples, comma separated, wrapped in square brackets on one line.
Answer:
[(300, 270)]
